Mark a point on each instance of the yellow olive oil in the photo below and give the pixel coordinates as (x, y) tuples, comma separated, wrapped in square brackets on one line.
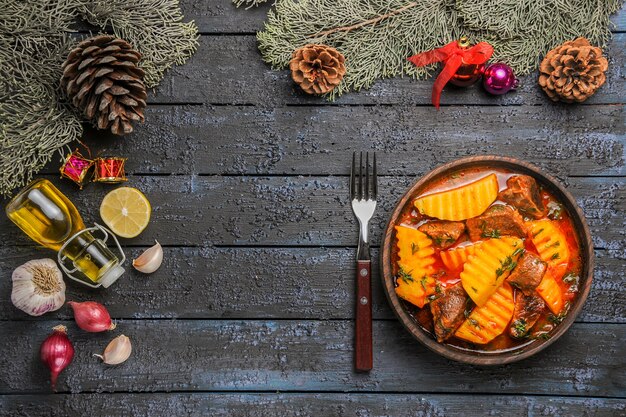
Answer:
[(50, 219)]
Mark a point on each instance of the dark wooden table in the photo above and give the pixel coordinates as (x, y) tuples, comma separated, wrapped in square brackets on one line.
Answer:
[(252, 311)]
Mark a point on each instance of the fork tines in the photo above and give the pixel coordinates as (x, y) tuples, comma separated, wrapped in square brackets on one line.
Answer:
[(360, 186)]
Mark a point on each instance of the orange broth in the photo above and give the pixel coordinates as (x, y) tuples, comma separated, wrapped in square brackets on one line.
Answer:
[(547, 321)]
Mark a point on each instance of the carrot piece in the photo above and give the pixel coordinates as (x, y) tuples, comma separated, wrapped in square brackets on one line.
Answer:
[(454, 258), (551, 293), (486, 322), (469, 200)]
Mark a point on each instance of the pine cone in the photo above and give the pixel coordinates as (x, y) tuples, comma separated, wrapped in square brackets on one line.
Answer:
[(573, 71), (317, 68), (103, 81)]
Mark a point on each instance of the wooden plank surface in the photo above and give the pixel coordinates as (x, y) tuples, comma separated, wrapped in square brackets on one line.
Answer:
[(297, 405), (307, 211), (303, 355), (576, 140), (248, 180), (293, 283)]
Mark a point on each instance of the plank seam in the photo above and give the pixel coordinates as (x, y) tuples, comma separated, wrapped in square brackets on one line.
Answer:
[(300, 392)]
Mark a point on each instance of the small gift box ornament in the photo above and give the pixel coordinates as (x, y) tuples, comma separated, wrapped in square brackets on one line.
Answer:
[(75, 167), (110, 170)]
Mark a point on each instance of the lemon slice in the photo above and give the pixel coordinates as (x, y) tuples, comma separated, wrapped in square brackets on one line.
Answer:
[(126, 211)]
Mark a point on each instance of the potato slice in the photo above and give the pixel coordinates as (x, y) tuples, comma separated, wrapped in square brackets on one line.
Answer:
[(469, 200), (485, 271), (551, 293), (416, 260), (486, 322), (550, 243)]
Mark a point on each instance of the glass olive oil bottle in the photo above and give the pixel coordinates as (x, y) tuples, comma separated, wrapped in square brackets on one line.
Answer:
[(50, 219)]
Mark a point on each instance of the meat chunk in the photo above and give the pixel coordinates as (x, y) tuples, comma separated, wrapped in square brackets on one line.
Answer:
[(522, 192), (527, 310), (442, 232), (497, 221), (449, 311), (528, 273)]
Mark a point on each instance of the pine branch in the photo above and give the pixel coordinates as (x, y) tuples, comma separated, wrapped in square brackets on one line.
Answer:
[(364, 23), (520, 31), (153, 27), (35, 120)]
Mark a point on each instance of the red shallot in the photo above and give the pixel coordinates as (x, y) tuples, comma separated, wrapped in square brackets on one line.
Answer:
[(91, 316), (57, 352)]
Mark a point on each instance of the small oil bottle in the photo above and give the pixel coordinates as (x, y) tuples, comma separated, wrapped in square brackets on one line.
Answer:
[(50, 219)]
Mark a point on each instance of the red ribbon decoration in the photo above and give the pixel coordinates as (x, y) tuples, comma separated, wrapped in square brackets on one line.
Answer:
[(453, 55)]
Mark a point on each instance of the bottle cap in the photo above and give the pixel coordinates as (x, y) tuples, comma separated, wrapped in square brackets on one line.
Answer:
[(111, 276)]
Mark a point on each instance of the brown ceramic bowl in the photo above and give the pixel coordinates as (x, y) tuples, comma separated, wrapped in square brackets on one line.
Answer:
[(487, 357)]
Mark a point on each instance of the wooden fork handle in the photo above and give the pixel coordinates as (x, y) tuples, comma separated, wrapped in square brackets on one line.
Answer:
[(363, 357)]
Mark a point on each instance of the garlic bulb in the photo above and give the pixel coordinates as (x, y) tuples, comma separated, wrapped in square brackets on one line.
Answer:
[(38, 287), (150, 260), (117, 351)]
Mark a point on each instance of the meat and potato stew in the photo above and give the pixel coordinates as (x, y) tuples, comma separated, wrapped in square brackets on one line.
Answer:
[(486, 260)]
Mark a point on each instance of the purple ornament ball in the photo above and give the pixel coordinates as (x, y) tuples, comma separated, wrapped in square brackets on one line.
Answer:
[(499, 79)]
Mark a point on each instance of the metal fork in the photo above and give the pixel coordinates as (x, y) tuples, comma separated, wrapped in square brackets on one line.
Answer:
[(363, 198)]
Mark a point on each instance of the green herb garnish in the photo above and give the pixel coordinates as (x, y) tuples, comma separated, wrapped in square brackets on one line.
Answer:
[(474, 323), (555, 210), (439, 240), (555, 256), (414, 248), (468, 307), (558, 318), (423, 282), (573, 280), (405, 276), (520, 327), (508, 265), (495, 234), (537, 233), (570, 278)]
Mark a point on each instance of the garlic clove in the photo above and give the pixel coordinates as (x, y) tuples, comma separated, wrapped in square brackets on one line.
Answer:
[(150, 260), (38, 287), (117, 351)]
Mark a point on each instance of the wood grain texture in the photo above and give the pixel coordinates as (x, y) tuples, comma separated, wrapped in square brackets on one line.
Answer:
[(574, 140), (199, 355), (221, 16), (230, 70), (308, 211), (265, 283), (274, 309), (298, 405)]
